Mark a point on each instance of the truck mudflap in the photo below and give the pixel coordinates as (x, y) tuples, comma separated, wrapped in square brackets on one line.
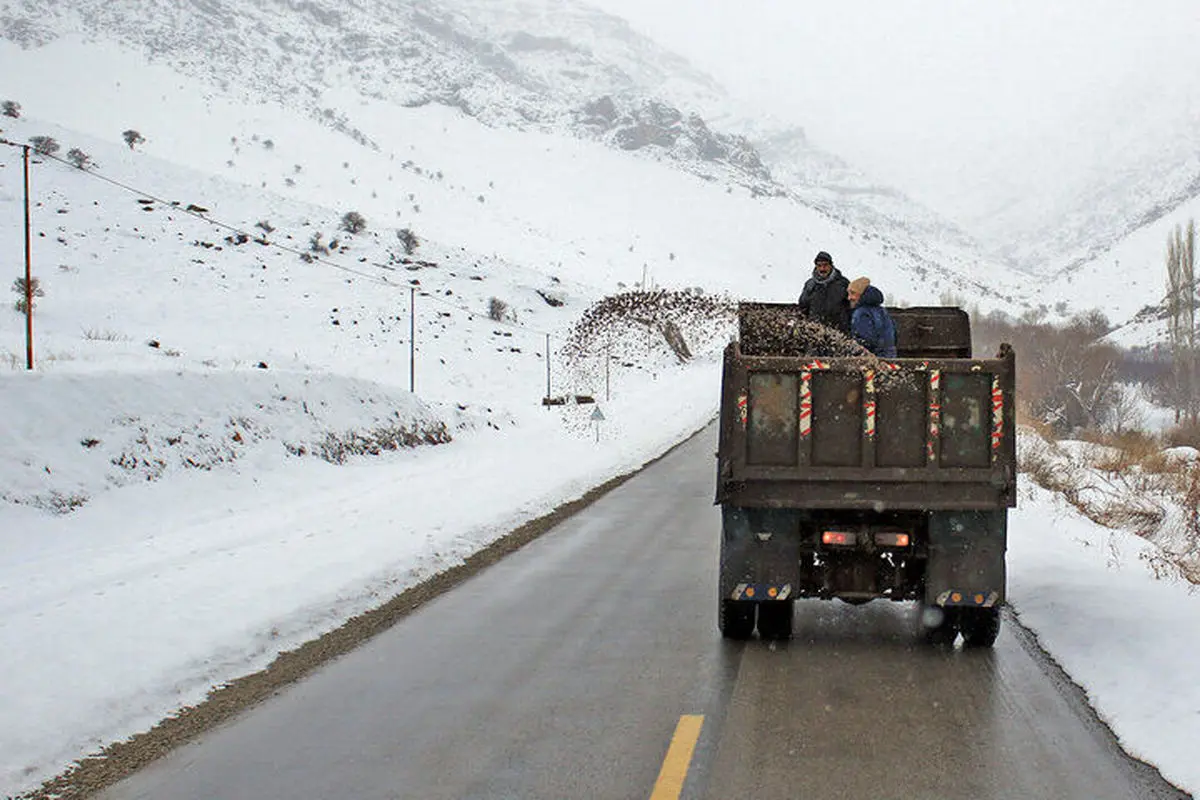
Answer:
[(760, 553), (966, 558)]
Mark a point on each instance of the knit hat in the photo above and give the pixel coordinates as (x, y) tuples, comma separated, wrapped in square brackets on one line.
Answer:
[(858, 285), (823, 256)]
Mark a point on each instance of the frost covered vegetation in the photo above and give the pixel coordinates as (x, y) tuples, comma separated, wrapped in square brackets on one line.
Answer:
[(1133, 481), (1087, 435)]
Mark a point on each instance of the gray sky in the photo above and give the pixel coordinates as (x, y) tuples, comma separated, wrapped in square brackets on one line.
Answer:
[(941, 97)]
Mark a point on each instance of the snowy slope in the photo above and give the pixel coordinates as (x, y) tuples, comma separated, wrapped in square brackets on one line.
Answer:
[(1130, 280), (559, 68)]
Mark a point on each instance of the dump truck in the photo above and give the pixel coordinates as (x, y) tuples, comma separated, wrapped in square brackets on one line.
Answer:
[(856, 478)]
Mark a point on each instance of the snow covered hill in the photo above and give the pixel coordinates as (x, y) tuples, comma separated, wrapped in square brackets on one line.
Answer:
[(558, 68)]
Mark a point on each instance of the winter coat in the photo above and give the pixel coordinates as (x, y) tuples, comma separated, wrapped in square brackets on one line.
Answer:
[(872, 325), (824, 300)]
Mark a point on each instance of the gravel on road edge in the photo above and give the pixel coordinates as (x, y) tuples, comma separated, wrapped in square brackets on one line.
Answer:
[(121, 759)]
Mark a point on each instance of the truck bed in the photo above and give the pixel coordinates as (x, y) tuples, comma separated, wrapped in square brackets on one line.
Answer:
[(852, 432)]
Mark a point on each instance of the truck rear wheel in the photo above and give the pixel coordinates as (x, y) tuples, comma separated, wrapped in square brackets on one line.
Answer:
[(980, 626), (735, 618), (941, 625), (775, 619)]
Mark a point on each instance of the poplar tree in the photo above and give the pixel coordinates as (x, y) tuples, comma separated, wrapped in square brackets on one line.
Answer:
[(1181, 319)]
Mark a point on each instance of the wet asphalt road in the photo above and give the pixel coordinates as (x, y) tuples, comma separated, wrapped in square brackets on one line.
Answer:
[(563, 671)]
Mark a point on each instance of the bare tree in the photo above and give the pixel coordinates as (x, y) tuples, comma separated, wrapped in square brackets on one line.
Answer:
[(1068, 376), (1073, 381), (44, 145), (79, 158), (11, 108), (132, 138), (408, 240), (1181, 318), (353, 222)]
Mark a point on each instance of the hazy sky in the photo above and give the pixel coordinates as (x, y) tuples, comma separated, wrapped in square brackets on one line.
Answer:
[(940, 96)]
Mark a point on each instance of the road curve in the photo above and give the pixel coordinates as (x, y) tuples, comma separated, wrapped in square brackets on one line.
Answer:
[(565, 670)]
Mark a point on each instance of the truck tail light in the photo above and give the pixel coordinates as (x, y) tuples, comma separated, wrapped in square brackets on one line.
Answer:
[(892, 539), (842, 538)]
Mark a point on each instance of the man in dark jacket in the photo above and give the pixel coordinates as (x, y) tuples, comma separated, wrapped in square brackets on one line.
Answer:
[(870, 322), (824, 295)]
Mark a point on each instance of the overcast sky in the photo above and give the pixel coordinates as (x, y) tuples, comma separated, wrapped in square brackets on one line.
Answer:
[(936, 96)]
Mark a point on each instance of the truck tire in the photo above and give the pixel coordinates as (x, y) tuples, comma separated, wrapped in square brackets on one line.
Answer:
[(945, 631), (775, 619), (735, 618), (980, 626)]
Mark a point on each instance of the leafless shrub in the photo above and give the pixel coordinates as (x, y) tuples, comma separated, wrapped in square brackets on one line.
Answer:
[(337, 448), (317, 245), (133, 138), (56, 502), (408, 240), (97, 335), (79, 159), (497, 309), (1186, 434), (1127, 483), (1046, 465), (1124, 450), (35, 290), (45, 145), (11, 108)]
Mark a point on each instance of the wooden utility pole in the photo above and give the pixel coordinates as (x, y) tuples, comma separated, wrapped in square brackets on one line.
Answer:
[(412, 339), (28, 272)]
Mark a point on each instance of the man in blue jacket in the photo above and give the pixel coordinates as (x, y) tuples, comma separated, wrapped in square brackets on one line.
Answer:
[(870, 323)]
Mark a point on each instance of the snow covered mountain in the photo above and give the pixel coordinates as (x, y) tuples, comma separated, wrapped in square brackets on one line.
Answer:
[(549, 67), (1133, 182)]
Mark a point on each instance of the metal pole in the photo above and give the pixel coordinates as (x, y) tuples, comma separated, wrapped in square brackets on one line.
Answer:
[(28, 273), (607, 361), (412, 338), (547, 366)]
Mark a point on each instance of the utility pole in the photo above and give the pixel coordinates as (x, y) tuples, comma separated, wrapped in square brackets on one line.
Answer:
[(607, 362), (412, 339), (28, 272)]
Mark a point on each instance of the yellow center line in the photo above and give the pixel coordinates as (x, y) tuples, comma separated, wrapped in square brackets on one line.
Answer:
[(679, 755)]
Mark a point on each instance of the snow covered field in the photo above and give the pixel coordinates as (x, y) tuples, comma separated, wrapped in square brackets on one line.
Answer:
[(150, 594)]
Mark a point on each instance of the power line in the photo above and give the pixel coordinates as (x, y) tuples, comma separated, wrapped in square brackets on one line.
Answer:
[(307, 256)]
